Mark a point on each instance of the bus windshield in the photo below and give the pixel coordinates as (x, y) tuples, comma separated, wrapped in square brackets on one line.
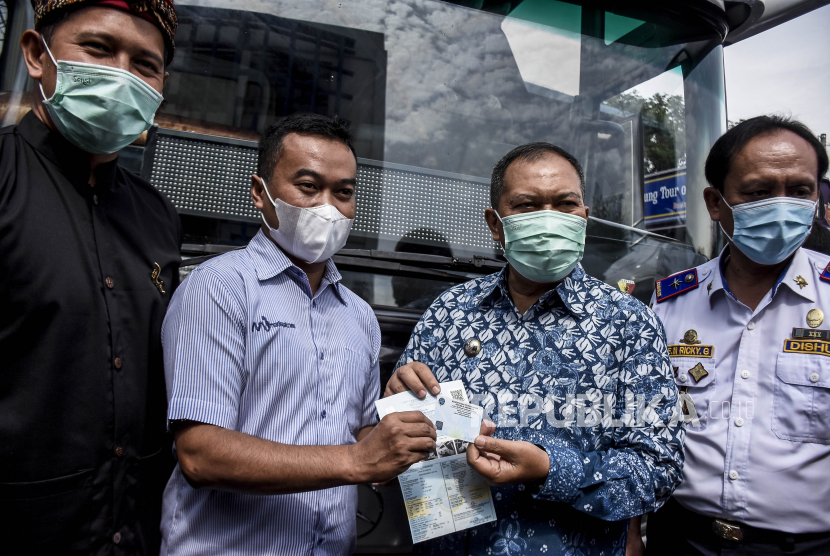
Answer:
[(435, 93)]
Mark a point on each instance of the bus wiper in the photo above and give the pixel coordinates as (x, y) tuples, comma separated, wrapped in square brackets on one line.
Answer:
[(632, 229)]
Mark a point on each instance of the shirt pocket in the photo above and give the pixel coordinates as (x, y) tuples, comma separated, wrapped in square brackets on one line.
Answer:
[(700, 391), (349, 373), (801, 401)]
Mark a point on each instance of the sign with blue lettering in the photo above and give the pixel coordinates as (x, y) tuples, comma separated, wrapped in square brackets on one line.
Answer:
[(664, 199)]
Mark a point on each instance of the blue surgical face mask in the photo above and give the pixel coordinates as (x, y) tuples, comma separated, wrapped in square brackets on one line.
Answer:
[(98, 108), (770, 230), (545, 245)]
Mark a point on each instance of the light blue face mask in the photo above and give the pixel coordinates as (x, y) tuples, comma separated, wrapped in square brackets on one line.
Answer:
[(98, 108), (770, 230), (545, 245)]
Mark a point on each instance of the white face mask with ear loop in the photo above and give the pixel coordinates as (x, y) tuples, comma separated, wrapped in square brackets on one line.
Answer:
[(311, 234)]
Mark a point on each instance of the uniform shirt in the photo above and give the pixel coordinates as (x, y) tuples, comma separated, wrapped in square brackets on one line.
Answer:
[(559, 376), (81, 380), (247, 347), (760, 453)]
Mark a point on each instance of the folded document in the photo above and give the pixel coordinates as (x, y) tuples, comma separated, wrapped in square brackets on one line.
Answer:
[(443, 494)]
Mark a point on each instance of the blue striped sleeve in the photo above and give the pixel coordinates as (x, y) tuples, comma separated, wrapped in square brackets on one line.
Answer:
[(204, 334), (371, 388)]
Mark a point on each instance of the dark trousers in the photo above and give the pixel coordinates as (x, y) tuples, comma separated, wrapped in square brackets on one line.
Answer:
[(675, 531)]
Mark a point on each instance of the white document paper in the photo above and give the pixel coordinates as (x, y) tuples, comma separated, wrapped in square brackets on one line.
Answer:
[(457, 419), (443, 496), (407, 401)]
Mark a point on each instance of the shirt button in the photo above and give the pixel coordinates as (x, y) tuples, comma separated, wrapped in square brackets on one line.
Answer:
[(733, 475), (95, 199), (117, 362), (119, 451), (750, 326), (116, 538), (744, 374), (109, 282), (683, 378), (323, 414), (739, 422), (814, 377)]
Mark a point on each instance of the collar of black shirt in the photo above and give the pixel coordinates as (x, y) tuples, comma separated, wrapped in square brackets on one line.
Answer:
[(71, 160)]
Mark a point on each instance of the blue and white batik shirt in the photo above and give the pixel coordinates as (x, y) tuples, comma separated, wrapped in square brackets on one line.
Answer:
[(585, 374)]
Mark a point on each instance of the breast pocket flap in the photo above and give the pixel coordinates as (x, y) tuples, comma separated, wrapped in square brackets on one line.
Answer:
[(698, 373), (803, 370)]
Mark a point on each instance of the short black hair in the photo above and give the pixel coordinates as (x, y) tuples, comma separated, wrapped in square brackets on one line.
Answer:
[(725, 149), (303, 123), (48, 28), (530, 152)]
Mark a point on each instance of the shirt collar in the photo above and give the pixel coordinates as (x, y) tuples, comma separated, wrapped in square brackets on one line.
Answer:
[(73, 161), (269, 261), (799, 277), (571, 290), (799, 267)]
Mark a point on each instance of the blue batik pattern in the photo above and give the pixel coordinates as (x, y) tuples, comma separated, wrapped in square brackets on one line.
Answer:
[(584, 374)]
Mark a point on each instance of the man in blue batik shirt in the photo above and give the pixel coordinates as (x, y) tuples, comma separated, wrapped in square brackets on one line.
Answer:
[(574, 373)]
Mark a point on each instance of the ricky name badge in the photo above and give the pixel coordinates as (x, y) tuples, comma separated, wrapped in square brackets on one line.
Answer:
[(690, 346)]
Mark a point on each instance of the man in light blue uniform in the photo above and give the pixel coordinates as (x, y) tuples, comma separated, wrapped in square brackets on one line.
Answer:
[(272, 371), (749, 347)]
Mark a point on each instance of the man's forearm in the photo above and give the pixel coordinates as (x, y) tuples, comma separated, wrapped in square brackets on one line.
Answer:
[(214, 457)]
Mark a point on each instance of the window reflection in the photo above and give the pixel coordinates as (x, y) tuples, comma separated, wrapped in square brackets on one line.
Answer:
[(435, 93)]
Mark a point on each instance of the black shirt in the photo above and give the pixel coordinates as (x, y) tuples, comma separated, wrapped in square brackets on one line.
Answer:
[(83, 445)]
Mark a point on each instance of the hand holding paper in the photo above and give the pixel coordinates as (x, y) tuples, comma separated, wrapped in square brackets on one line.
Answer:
[(444, 494), (504, 462), (398, 441), (413, 377)]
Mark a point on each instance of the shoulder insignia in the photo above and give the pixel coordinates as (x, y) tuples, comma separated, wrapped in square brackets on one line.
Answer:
[(676, 284), (826, 274)]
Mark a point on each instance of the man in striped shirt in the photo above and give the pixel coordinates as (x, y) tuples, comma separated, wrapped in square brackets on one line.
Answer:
[(272, 371)]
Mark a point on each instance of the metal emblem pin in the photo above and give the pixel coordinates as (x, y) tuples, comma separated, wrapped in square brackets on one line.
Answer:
[(688, 408), (689, 278), (690, 338), (800, 281), (709, 287), (154, 276), (675, 283), (626, 286), (815, 317), (698, 372), (472, 347)]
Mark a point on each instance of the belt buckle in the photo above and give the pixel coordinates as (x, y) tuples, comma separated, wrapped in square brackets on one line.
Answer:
[(727, 531)]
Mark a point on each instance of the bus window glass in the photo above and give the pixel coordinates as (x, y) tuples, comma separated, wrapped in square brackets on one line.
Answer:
[(435, 93)]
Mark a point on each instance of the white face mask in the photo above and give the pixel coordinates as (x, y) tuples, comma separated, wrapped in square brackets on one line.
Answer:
[(310, 234)]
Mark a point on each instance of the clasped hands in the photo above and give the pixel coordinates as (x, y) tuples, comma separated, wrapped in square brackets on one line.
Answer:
[(500, 462)]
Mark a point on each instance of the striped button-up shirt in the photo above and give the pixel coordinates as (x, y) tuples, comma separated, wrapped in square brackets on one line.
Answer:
[(248, 347)]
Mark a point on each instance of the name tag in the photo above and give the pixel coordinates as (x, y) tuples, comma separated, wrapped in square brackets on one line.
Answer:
[(683, 350), (811, 333), (816, 347)]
